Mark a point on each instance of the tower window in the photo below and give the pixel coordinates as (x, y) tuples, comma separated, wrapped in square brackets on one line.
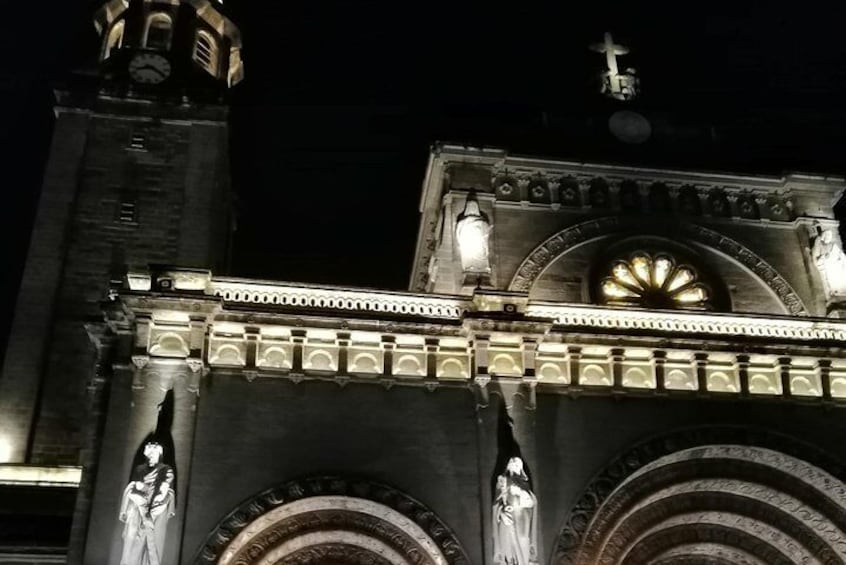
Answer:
[(138, 140), (158, 31), (126, 213), (114, 39), (205, 52)]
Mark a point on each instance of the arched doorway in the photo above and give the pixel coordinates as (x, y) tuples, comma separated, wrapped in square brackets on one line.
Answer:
[(711, 504), (332, 521)]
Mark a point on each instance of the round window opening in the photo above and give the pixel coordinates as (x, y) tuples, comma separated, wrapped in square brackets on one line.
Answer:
[(654, 281)]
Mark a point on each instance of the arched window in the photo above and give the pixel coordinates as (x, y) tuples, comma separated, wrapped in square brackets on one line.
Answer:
[(654, 281), (205, 52), (158, 32), (114, 40)]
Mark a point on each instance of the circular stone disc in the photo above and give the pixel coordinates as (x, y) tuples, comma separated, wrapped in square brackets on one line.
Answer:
[(629, 127)]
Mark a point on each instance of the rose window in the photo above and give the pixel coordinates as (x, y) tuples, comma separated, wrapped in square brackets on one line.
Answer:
[(654, 282)]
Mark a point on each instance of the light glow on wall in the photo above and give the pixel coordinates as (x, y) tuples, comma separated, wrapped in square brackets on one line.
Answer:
[(5, 450), (28, 475)]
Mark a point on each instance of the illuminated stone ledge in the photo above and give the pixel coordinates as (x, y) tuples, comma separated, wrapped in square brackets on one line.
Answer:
[(32, 557), (303, 296), (599, 317), (518, 166), (552, 361), (262, 329), (29, 475), (331, 301), (690, 323)]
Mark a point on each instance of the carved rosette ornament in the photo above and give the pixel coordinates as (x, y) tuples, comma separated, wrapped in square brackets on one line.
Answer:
[(332, 520)]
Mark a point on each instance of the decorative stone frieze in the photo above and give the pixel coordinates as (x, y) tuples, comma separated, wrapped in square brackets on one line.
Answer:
[(637, 191), (283, 294), (494, 335)]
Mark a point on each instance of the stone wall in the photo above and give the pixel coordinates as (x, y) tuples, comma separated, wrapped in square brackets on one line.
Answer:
[(422, 443), (436, 447), (121, 188)]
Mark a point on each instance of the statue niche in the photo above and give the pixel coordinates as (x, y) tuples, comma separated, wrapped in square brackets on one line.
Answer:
[(148, 503), (830, 260), (472, 231), (149, 498)]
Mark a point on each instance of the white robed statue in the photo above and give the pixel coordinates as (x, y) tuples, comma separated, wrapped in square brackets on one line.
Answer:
[(148, 503), (515, 513), (830, 260), (472, 231)]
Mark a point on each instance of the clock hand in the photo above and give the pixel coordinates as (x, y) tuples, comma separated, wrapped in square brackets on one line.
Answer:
[(151, 68)]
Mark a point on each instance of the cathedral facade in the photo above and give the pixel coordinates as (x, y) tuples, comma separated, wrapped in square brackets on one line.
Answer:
[(593, 363)]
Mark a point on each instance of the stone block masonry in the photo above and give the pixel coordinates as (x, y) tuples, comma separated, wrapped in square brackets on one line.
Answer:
[(122, 187)]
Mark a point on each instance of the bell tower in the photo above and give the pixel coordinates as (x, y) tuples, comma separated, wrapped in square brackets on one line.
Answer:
[(138, 172), (162, 49)]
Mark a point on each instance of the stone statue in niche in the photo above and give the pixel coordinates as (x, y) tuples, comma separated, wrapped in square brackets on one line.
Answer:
[(515, 513), (472, 231), (830, 261), (147, 505)]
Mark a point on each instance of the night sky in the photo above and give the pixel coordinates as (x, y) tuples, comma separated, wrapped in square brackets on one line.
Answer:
[(331, 128)]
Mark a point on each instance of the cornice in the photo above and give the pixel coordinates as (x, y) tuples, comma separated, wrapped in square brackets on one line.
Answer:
[(187, 321), (239, 298), (500, 159)]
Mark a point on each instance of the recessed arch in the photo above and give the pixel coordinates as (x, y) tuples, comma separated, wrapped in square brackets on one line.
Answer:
[(158, 31), (331, 519), (540, 258), (114, 39), (710, 496), (206, 52)]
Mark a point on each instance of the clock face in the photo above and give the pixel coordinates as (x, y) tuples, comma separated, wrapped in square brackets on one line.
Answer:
[(149, 68), (630, 127)]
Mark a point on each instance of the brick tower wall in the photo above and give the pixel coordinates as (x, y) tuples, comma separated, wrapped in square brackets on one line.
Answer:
[(126, 183)]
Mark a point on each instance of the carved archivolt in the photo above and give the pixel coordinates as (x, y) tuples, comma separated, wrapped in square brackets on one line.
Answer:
[(681, 498), (547, 252), (702, 552), (332, 520)]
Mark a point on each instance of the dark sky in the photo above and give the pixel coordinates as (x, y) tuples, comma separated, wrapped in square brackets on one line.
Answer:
[(331, 128)]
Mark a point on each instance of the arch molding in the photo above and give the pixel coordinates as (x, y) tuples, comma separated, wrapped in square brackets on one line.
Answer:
[(331, 520), (543, 255)]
